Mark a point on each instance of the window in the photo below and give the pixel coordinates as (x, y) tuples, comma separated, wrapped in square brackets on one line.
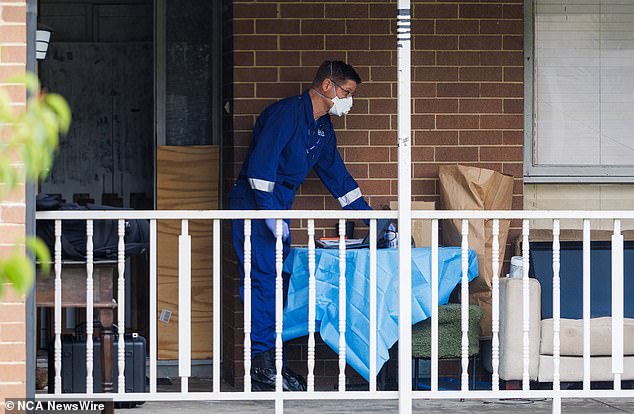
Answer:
[(583, 91)]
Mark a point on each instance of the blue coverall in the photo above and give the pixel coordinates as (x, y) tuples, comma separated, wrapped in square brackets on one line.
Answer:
[(287, 142)]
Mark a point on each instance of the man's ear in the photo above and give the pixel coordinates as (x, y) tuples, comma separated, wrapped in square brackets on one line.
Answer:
[(325, 84)]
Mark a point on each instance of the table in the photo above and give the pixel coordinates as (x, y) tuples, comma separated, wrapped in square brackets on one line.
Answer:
[(74, 296), (358, 294)]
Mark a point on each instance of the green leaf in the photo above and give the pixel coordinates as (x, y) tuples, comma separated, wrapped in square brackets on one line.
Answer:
[(40, 250), (18, 270), (61, 108)]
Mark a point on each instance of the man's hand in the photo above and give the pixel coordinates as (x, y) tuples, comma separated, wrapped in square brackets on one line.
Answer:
[(270, 223)]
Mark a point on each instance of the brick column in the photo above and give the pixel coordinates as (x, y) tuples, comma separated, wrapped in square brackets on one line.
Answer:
[(12, 212)]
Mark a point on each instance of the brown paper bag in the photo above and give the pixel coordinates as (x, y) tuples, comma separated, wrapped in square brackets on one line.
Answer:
[(472, 188)]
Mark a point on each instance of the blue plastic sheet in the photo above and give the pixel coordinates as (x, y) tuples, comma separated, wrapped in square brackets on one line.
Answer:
[(358, 295)]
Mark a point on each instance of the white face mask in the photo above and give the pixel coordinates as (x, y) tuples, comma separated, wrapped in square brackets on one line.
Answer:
[(341, 106)]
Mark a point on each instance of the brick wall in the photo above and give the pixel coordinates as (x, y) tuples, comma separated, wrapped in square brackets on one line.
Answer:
[(12, 212), (467, 89)]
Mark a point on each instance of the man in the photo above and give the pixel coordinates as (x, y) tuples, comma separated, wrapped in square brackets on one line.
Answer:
[(290, 137)]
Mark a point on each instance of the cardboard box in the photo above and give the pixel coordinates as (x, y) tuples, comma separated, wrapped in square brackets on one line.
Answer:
[(421, 229)]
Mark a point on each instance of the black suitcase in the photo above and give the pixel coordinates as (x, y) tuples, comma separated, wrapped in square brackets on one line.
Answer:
[(74, 364)]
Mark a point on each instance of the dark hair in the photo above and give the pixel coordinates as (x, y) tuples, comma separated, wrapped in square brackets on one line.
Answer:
[(337, 70)]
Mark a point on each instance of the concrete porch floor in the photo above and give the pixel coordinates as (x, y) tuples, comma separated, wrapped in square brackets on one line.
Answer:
[(575, 406)]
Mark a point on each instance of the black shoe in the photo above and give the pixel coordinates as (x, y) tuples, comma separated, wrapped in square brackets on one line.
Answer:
[(263, 374)]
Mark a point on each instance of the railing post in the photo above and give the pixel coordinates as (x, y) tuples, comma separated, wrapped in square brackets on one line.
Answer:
[(525, 307), (556, 319), (586, 304), (404, 93), (617, 304), (495, 310), (373, 305), (434, 306), (153, 298), (342, 305), (121, 306), (216, 307), (464, 306), (279, 304), (89, 306), (58, 306), (310, 378), (184, 306), (247, 305)]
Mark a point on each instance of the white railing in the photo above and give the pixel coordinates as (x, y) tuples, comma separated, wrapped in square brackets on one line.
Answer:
[(465, 391)]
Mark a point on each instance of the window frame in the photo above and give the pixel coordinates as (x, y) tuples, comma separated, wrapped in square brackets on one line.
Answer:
[(535, 173)]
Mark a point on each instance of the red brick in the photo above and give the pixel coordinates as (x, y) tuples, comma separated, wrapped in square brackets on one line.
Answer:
[(457, 122), (367, 121), (456, 26), (458, 89), (357, 171), (423, 58), (436, 137), (361, 106), (12, 332), (421, 122), (501, 58), (375, 89), (367, 27), (458, 58), (383, 138), (345, 137), (11, 233), (383, 106), (500, 153), (13, 14), (505, 27), (347, 42), (381, 43), (513, 43), (374, 186), (423, 26), (254, 10), (276, 58), (480, 11), (243, 27), (502, 90), (433, 106), (480, 137), (323, 26), (11, 70), (383, 73), (513, 11), (481, 105), (277, 26), (420, 154), (302, 10), (255, 74), (480, 42), (435, 73), (347, 11), (516, 170), (425, 42), (250, 106), (437, 11), (299, 74), (513, 137), (423, 89), (315, 58), (383, 170), (513, 74), (276, 90), (243, 122), (456, 154), (14, 215), (513, 106), (12, 54), (378, 11), (480, 74), (501, 121), (425, 186), (366, 154), (426, 170), (243, 58), (254, 42), (369, 58), (301, 42)]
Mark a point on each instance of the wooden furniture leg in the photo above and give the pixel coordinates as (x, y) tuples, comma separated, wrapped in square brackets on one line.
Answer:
[(106, 317)]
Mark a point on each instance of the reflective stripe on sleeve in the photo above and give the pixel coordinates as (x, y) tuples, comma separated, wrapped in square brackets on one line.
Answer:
[(262, 185), (349, 197)]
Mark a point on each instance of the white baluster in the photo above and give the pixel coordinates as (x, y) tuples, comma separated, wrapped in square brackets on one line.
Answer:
[(525, 306), (312, 298), (184, 306), (586, 305), (58, 306), (465, 305), (121, 305), (556, 307), (434, 305), (247, 305), (617, 304), (495, 311), (342, 305), (216, 311), (89, 306), (153, 315), (372, 305), (279, 304)]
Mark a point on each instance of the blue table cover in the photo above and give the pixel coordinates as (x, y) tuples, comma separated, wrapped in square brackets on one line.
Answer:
[(358, 295)]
